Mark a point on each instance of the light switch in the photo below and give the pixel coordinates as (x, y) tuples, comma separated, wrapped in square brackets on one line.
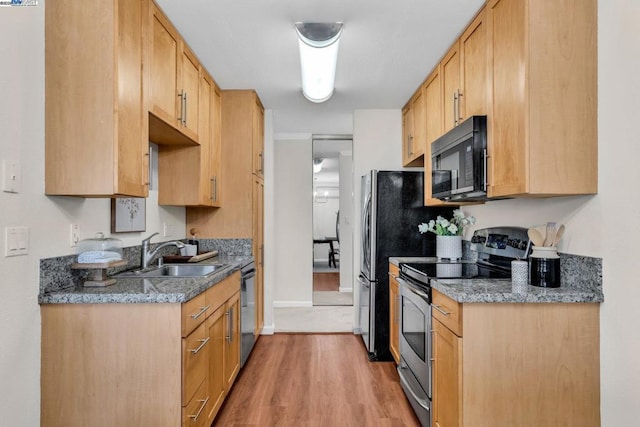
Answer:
[(16, 241), (11, 177)]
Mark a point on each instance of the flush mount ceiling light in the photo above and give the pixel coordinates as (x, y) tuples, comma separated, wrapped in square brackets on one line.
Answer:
[(318, 43)]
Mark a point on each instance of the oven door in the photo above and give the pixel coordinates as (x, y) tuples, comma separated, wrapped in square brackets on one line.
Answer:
[(415, 333)]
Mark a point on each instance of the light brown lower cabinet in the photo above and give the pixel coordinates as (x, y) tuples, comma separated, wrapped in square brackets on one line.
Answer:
[(140, 364), (515, 364)]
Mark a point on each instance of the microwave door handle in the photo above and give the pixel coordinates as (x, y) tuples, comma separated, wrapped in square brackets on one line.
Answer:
[(485, 179)]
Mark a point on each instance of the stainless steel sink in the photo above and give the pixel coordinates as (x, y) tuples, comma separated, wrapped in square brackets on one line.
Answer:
[(174, 270)]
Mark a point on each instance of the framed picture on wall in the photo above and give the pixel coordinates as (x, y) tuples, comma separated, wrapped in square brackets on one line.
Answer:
[(128, 214)]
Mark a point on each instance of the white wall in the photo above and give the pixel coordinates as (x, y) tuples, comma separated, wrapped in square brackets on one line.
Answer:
[(347, 207), (269, 223), (293, 222), (48, 218)]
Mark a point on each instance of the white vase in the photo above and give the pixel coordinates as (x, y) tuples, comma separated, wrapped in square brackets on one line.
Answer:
[(449, 247)]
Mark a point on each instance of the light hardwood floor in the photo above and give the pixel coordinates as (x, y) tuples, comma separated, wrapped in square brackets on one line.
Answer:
[(315, 380)]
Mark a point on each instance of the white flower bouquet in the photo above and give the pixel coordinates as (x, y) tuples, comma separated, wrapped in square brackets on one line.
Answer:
[(443, 227)]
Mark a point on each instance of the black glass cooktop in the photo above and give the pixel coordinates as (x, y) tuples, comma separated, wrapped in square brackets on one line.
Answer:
[(422, 272)]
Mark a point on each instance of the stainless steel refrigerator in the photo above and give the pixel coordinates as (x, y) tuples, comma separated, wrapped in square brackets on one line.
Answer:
[(392, 206)]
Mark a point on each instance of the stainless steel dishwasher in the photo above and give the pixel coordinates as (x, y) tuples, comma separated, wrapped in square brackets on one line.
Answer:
[(248, 310)]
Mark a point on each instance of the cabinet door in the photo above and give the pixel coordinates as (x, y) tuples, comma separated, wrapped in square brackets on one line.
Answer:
[(206, 186), (394, 313), (450, 68), (418, 141), (447, 374), (217, 345), (189, 92), (216, 145), (508, 164), (164, 66), (407, 133), (433, 101), (258, 138), (232, 340), (474, 63)]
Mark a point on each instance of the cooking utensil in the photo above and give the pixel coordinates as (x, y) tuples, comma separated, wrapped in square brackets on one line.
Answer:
[(550, 234), (536, 237), (558, 235)]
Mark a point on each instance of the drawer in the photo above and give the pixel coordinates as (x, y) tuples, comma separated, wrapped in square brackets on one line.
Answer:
[(194, 414), (195, 355), (447, 311), (219, 293), (194, 312)]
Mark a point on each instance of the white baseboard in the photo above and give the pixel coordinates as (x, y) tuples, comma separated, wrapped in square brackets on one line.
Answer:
[(288, 304), (357, 331), (268, 330), (341, 289)]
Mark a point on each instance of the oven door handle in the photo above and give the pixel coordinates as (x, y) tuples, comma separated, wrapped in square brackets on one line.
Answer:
[(412, 289), (422, 402)]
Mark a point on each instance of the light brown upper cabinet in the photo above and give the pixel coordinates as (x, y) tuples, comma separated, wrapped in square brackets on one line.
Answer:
[(189, 176), (96, 141), (474, 62), (464, 75), (258, 138), (174, 85), (414, 130), (451, 88), (542, 135)]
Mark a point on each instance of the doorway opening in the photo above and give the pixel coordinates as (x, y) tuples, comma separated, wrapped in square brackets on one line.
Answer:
[(332, 220)]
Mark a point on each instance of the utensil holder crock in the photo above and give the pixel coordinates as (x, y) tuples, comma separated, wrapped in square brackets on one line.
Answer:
[(544, 267)]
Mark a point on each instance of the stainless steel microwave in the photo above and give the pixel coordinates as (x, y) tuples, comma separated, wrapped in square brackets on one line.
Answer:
[(459, 162)]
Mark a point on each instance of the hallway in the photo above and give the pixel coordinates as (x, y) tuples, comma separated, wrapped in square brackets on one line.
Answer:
[(315, 380)]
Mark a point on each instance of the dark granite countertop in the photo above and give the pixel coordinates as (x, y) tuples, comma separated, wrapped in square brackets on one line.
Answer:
[(147, 290), (581, 283)]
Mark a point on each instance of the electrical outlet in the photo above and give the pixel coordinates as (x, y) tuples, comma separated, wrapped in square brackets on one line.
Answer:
[(168, 229), (74, 235)]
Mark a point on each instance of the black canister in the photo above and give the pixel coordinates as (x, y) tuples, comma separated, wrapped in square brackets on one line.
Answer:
[(544, 272), (544, 267)]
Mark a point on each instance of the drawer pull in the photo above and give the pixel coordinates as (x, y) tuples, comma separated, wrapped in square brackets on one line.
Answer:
[(194, 418), (203, 343), (437, 307), (202, 310)]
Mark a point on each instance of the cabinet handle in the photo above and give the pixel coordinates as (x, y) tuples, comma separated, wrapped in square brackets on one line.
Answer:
[(229, 314), (486, 179), (261, 255), (214, 188), (185, 109), (397, 308), (181, 96), (455, 108), (204, 404), (459, 109), (437, 307), (261, 156), (202, 310), (202, 344)]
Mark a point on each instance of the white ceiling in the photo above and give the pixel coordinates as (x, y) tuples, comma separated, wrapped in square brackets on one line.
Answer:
[(387, 49)]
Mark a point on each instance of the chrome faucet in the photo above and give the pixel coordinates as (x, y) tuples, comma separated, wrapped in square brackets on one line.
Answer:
[(148, 255)]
